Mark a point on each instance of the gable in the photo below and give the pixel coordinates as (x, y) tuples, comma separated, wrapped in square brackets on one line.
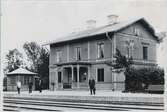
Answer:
[(143, 31)]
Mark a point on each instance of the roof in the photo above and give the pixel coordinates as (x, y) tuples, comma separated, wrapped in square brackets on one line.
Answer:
[(103, 29), (21, 71)]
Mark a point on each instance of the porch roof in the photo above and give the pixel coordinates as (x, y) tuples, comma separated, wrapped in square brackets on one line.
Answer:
[(74, 63), (21, 71)]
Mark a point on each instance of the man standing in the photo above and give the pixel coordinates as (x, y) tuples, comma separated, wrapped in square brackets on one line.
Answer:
[(40, 85), (30, 87), (18, 86), (92, 85)]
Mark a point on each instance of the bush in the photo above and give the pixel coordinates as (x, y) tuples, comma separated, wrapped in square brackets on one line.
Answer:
[(137, 80)]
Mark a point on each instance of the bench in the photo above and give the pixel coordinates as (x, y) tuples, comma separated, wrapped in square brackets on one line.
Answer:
[(155, 89)]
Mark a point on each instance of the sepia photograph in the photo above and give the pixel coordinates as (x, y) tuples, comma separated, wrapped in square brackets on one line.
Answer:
[(83, 55)]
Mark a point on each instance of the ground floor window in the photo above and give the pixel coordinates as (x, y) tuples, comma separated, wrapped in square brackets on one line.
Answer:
[(12, 79), (59, 77), (75, 75), (100, 74), (25, 80)]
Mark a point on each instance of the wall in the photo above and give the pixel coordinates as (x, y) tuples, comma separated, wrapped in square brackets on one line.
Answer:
[(145, 39), (13, 87), (70, 48)]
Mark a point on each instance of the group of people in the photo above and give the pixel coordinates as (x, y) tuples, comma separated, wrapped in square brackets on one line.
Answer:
[(30, 85)]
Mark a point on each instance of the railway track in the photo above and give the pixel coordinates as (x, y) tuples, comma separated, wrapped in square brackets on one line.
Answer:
[(15, 104)]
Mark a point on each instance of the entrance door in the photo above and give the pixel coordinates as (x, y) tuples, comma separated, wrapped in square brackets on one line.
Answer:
[(67, 78)]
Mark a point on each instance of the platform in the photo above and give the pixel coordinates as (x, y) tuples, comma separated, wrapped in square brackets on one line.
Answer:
[(84, 96)]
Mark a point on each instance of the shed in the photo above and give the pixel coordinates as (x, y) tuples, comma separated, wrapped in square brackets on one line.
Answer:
[(22, 75)]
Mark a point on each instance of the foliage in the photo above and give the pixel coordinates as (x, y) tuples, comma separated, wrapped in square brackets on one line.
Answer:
[(5, 84), (32, 50), (139, 79), (14, 60), (122, 61), (39, 57)]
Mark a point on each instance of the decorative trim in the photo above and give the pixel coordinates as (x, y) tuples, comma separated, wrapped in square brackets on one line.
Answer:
[(133, 36)]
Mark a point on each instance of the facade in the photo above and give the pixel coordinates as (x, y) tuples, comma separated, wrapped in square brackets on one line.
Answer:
[(88, 53), (22, 75)]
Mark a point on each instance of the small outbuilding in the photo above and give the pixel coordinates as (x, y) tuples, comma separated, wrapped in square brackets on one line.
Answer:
[(22, 75)]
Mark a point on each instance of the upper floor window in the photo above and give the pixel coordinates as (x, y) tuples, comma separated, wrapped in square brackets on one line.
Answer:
[(129, 48), (100, 50), (78, 53), (100, 75), (137, 31), (58, 56), (128, 52), (145, 52)]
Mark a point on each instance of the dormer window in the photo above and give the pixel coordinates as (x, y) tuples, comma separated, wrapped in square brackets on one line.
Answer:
[(58, 56), (100, 50), (78, 53), (137, 31)]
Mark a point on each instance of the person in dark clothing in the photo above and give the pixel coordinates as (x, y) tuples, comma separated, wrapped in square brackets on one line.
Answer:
[(30, 87), (92, 86), (40, 85)]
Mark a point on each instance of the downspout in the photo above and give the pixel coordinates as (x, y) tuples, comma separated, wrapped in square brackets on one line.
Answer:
[(112, 45)]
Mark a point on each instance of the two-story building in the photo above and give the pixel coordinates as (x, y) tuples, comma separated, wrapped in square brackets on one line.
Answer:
[(84, 54)]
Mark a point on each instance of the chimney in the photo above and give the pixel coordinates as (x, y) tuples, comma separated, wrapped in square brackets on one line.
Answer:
[(112, 19), (91, 24)]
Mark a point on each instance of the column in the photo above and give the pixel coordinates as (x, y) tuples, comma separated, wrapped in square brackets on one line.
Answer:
[(113, 47), (62, 77), (68, 52), (77, 76), (88, 51), (88, 73), (56, 78), (72, 77)]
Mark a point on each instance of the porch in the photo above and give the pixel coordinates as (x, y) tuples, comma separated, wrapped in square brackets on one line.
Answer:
[(73, 76)]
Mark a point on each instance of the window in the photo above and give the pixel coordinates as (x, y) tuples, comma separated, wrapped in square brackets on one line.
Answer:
[(136, 31), (58, 56), (26, 80), (78, 53), (100, 50), (100, 75), (13, 80), (59, 77), (128, 52), (145, 53), (129, 48)]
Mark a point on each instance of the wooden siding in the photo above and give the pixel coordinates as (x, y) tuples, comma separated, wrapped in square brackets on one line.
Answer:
[(144, 39), (84, 51)]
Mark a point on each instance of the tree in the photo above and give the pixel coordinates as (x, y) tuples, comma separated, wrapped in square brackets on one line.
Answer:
[(122, 61), (39, 58), (136, 78), (32, 51), (14, 60)]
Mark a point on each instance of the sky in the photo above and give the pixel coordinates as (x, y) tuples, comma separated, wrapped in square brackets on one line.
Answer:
[(45, 20)]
